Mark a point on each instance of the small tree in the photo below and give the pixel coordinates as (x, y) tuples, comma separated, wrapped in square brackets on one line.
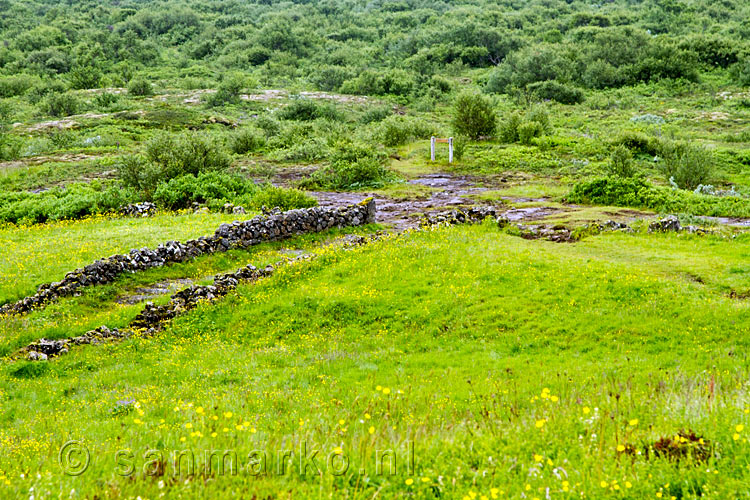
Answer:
[(473, 116)]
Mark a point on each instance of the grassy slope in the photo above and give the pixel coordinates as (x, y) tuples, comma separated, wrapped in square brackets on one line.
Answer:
[(466, 327), (42, 253)]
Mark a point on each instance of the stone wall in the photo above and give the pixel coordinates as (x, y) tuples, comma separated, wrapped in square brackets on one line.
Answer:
[(275, 226)]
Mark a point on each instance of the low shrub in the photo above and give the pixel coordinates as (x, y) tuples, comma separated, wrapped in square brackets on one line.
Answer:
[(303, 109), (212, 188), (16, 85), (140, 87), (517, 128), (186, 153), (269, 125), (376, 114), (308, 149), (136, 172), (229, 91), (397, 130), (555, 91), (528, 131), (59, 105), (621, 163), (10, 147), (352, 166), (285, 199), (686, 165), (509, 127), (107, 100), (247, 140), (72, 202), (639, 142), (637, 193)]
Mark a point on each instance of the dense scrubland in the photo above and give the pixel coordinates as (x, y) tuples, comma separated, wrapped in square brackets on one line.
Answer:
[(490, 365)]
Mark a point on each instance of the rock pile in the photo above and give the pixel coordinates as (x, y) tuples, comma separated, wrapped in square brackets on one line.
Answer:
[(259, 229), (144, 209), (450, 217), (230, 208), (667, 224), (671, 223), (152, 317), (558, 234)]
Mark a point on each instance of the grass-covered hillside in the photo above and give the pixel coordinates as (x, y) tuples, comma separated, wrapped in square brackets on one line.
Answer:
[(561, 312)]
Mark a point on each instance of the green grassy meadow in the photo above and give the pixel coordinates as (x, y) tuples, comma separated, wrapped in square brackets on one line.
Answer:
[(546, 353), (507, 368)]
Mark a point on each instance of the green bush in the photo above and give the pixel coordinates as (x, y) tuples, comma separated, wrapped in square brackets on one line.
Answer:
[(246, 141), (459, 146), (473, 116), (517, 128), (621, 163), (540, 115), (741, 72), (140, 87), (59, 105), (72, 202), (285, 199), (637, 193), (12, 86), (530, 65), (528, 131), (213, 188), (352, 166), (509, 127), (638, 142), (555, 91), (186, 153), (376, 114), (303, 109), (685, 165), (138, 173), (397, 130), (85, 77), (106, 100), (229, 90), (307, 150)]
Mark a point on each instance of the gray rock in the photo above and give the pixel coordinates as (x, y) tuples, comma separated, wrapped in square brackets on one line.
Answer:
[(37, 356), (669, 223)]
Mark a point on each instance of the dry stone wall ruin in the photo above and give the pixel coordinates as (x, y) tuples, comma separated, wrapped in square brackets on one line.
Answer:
[(275, 226)]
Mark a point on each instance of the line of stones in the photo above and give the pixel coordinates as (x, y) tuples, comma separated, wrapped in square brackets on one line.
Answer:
[(153, 318), (275, 226)]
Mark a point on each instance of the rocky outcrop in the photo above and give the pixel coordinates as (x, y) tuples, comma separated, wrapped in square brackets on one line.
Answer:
[(278, 225)]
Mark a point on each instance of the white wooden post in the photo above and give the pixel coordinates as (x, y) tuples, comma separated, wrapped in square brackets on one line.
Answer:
[(450, 149), (432, 148)]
